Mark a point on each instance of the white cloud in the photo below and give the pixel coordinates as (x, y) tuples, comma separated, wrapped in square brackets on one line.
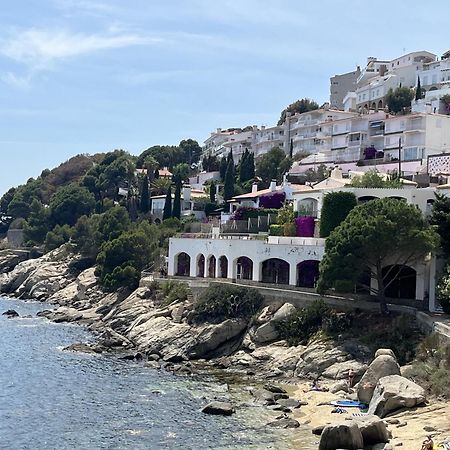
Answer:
[(38, 49), (17, 81)]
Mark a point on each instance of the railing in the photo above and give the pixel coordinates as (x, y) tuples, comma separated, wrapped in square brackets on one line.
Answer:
[(303, 241)]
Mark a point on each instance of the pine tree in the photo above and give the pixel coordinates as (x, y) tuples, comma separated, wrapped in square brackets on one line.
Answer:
[(228, 189), (167, 211), (145, 197), (176, 211), (419, 93), (212, 192)]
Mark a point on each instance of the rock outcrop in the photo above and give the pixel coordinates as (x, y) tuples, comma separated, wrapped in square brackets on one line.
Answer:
[(219, 408), (341, 436)]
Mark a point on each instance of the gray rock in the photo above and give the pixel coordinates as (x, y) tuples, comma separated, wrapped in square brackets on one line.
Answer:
[(265, 333), (219, 408), (341, 436), (289, 403), (83, 348), (274, 388), (284, 312), (339, 386), (285, 422), (381, 366), (11, 313), (153, 364), (318, 430), (394, 392), (385, 351), (373, 430)]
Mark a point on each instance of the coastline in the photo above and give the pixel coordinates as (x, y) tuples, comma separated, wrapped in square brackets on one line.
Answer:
[(137, 325)]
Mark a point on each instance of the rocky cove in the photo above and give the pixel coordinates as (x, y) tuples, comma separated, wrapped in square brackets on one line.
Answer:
[(142, 327)]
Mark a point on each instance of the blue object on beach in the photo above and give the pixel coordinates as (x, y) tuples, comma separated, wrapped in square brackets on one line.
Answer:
[(349, 404)]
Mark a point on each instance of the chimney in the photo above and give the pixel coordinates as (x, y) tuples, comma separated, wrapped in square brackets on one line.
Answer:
[(187, 193), (336, 173), (254, 188), (273, 186), (219, 130)]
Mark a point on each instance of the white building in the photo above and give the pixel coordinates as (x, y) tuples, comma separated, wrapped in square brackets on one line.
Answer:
[(340, 85)]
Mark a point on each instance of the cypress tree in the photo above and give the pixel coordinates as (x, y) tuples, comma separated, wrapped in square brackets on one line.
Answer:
[(228, 189), (418, 90), (176, 211), (145, 197), (156, 174), (251, 166), (167, 211), (243, 165), (212, 192), (223, 168)]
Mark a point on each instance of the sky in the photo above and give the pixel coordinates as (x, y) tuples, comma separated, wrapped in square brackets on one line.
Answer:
[(87, 76)]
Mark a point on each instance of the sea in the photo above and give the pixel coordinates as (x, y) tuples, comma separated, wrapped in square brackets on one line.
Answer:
[(52, 399)]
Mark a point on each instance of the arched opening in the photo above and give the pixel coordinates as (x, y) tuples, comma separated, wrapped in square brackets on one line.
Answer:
[(275, 271), (374, 105), (433, 88), (366, 198), (307, 273), (400, 281), (212, 267), (308, 207), (223, 267), (244, 268), (380, 104), (201, 266), (396, 197), (183, 265)]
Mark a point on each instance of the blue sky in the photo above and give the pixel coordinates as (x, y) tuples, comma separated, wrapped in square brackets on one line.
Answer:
[(85, 76)]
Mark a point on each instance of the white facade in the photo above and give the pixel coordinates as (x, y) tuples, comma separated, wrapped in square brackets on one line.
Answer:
[(199, 180)]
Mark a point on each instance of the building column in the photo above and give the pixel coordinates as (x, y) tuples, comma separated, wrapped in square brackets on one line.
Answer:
[(432, 287), (293, 274), (217, 268), (256, 275), (193, 268), (171, 265), (231, 272), (420, 281)]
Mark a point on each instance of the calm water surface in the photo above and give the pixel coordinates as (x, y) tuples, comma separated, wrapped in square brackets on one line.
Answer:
[(50, 399)]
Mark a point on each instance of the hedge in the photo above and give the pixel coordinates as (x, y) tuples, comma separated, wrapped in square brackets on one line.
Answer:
[(336, 206)]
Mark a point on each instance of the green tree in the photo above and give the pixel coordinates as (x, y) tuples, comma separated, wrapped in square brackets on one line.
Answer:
[(181, 171), (372, 179), (223, 167), (300, 106), (6, 199), (270, 165), (399, 100), (85, 236), (190, 151), (376, 234), (37, 224), (57, 237), (145, 196), (176, 210), (167, 211), (112, 224), (336, 207), (212, 192), (440, 218), (228, 188), (419, 90), (70, 203), (160, 186)]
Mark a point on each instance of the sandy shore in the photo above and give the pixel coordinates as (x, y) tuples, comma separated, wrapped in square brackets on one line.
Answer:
[(408, 434)]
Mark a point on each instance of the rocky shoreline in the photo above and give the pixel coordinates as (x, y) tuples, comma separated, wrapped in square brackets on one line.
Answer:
[(165, 337)]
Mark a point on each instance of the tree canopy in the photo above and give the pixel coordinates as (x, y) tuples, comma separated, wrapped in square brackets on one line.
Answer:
[(399, 99), (372, 179), (299, 106), (379, 233), (440, 218), (273, 165)]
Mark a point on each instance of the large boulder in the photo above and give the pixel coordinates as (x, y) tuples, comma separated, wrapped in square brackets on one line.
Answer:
[(268, 332), (284, 312), (373, 430), (382, 366), (340, 436), (394, 392), (219, 408)]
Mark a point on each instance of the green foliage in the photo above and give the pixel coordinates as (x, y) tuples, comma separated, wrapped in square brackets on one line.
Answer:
[(57, 237), (210, 163), (247, 167), (212, 192), (223, 168), (121, 260), (210, 208), (372, 179), (343, 286), (145, 196), (190, 151), (336, 207), (276, 230), (228, 189), (440, 218), (443, 290), (272, 165), (70, 203), (176, 211), (85, 236), (299, 106), (419, 90), (6, 199), (399, 100), (112, 224), (286, 214), (220, 302), (289, 229), (303, 323), (167, 211), (174, 292), (37, 225), (160, 186), (369, 236), (181, 172)]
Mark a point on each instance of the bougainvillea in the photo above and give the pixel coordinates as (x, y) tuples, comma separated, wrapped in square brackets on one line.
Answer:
[(272, 200), (305, 226)]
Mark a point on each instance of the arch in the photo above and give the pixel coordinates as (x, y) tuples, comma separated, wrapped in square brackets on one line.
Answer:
[(380, 104), (366, 198), (244, 268), (397, 197), (182, 264), (307, 273), (400, 281), (200, 265), (374, 105), (433, 88), (223, 267), (211, 266), (308, 207), (275, 270), (157, 221)]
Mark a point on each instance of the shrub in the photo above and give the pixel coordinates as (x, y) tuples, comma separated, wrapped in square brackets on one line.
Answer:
[(344, 286), (305, 226), (174, 291), (289, 229), (274, 200), (221, 302), (336, 206), (443, 291), (276, 230)]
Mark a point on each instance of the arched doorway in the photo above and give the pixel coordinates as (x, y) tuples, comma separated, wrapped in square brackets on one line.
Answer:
[(275, 271), (398, 198), (223, 267), (244, 268), (183, 265), (307, 273), (366, 198), (400, 281), (212, 267), (380, 104), (201, 266), (374, 106)]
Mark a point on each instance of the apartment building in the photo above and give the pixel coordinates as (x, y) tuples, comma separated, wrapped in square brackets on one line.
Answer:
[(340, 85)]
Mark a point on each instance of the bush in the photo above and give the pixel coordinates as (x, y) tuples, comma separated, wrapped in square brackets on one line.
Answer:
[(221, 302), (302, 324), (336, 206), (289, 229), (174, 291), (276, 230), (344, 286), (443, 291)]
